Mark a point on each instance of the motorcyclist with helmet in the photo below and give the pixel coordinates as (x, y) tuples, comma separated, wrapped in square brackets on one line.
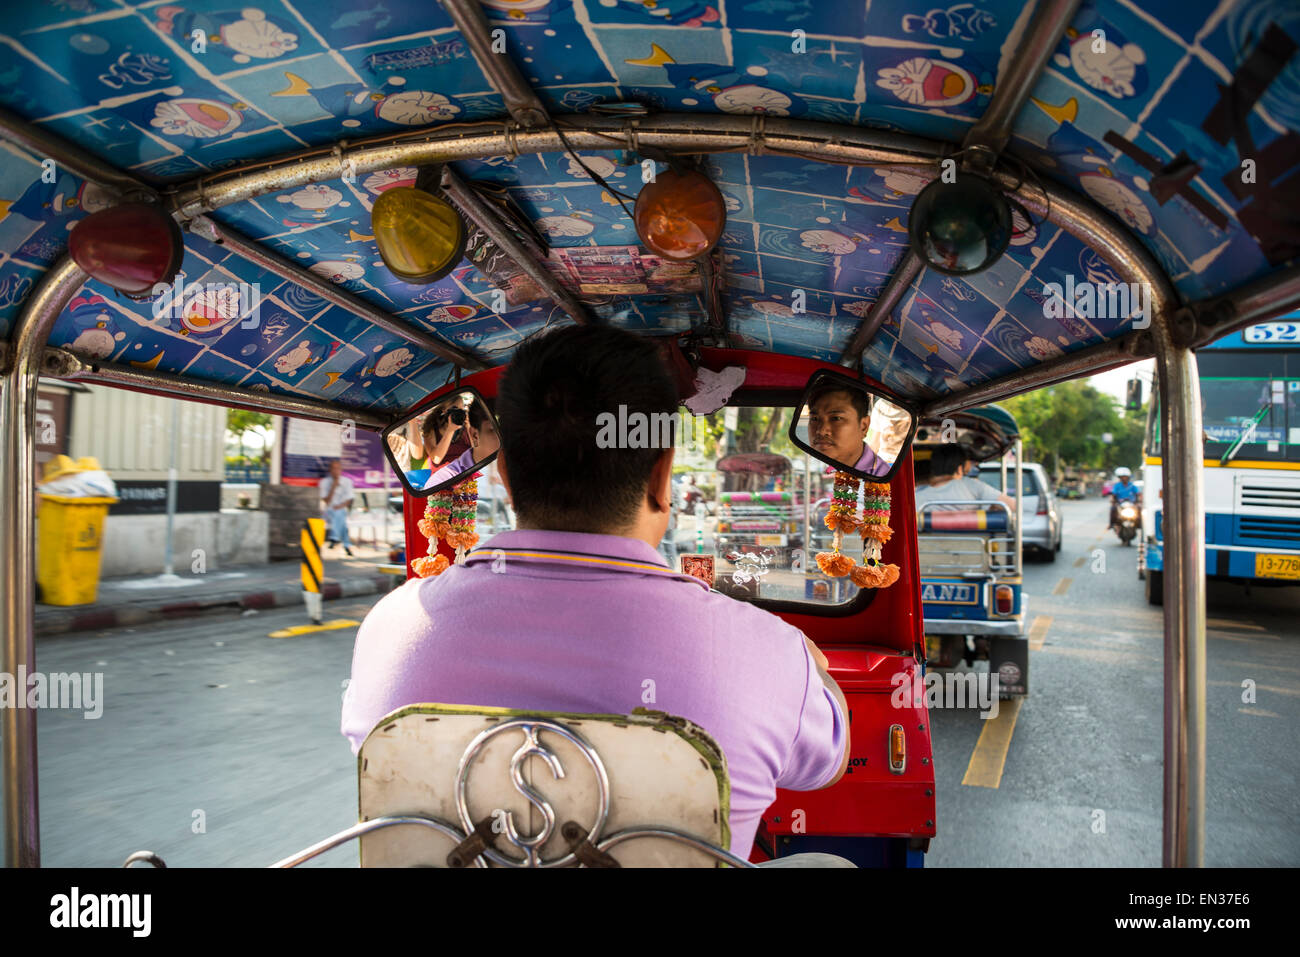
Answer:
[(1122, 491)]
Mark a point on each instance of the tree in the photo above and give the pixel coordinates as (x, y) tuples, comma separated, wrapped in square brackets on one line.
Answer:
[(240, 422), (1064, 425)]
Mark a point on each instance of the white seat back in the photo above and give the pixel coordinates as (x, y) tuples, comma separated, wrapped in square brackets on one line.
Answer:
[(527, 774)]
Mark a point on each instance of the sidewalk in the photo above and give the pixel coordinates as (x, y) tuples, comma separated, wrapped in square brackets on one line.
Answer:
[(138, 600)]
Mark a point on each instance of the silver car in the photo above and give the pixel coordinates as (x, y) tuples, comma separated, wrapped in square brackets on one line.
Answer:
[(1038, 510)]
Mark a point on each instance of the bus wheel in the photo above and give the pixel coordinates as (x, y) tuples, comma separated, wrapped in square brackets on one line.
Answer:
[(1155, 582)]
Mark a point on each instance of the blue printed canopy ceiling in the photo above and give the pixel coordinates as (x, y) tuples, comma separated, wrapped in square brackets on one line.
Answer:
[(1139, 124)]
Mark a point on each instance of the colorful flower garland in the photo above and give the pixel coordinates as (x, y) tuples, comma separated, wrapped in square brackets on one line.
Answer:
[(872, 525), (449, 515)]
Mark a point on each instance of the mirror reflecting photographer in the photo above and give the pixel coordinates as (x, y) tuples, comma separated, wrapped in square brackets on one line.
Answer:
[(435, 446), (850, 427)]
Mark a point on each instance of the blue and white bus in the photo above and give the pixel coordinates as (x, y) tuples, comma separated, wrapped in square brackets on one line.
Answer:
[(1250, 401)]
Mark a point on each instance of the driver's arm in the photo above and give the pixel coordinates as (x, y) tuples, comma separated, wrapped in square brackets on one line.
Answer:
[(823, 670)]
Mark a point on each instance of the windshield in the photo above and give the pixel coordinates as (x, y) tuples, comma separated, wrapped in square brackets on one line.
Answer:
[(1250, 401), (753, 506)]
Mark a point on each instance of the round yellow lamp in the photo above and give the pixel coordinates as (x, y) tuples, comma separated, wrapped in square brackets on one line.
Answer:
[(420, 237)]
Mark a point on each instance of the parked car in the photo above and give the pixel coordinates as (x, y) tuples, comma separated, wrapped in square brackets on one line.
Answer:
[(1039, 514)]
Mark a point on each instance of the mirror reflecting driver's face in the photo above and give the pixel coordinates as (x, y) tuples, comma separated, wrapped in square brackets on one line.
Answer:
[(441, 446), (851, 428)]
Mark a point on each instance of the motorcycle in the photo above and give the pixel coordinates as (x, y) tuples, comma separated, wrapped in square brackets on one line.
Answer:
[(1128, 519)]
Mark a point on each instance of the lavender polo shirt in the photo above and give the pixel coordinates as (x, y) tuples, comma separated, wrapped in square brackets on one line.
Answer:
[(871, 463), (583, 633), (455, 467)]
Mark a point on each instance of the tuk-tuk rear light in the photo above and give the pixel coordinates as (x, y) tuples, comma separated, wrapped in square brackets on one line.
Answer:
[(1004, 599), (131, 247), (680, 216), (420, 237), (897, 749)]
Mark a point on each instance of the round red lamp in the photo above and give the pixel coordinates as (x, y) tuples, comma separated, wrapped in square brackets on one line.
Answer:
[(680, 216), (130, 248)]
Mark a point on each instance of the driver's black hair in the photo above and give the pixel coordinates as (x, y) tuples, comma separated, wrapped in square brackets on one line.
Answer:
[(946, 459), (478, 414), (860, 401), (552, 394)]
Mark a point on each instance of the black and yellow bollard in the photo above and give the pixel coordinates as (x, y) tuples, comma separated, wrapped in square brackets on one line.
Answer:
[(311, 539)]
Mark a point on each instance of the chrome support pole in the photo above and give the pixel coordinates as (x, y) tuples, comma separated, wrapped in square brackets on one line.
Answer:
[(1087, 361), (992, 130), (675, 132), (1273, 295), (1020, 505), (1184, 595), (908, 268), (500, 70), (214, 232), (476, 209), (195, 390), (18, 766), (43, 144)]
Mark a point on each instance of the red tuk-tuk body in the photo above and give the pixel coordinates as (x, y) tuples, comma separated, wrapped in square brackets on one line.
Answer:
[(875, 645)]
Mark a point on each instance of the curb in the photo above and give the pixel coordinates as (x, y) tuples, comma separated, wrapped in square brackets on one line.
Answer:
[(68, 620)]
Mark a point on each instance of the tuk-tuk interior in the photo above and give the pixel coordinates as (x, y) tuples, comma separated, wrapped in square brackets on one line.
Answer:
[(270, 136)]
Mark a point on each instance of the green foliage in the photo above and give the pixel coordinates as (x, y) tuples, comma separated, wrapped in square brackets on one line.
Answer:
[(239, 422), (1062, 427)]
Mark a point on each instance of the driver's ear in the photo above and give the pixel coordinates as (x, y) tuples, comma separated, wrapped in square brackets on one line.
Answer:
[(660, 489), (502, 474)]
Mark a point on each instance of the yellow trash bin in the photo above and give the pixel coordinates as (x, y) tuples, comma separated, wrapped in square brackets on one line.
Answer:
[(71, 535)]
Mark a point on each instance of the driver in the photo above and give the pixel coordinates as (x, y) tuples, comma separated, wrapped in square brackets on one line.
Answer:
[(575, 611), (838, 420), (1122, 491)]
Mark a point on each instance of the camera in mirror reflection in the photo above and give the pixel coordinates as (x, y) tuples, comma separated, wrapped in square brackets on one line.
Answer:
[(846, 425), (443, 444)]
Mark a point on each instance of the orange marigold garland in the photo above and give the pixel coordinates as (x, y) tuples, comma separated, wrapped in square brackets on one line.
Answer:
[(448, 515), (872, 525)]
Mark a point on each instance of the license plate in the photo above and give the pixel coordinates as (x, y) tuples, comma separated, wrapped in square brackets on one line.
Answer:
[(1277, 566)]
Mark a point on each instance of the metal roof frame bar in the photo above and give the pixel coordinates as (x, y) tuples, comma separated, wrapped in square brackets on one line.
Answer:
[(520, 98), (207, 228), (473, 207)]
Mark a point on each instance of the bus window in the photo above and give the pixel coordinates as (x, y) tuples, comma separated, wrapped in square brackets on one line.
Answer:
[(745, 495)]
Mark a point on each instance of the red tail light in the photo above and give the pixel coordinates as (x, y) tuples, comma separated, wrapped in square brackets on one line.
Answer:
[(1004, 599), (1042, 505)]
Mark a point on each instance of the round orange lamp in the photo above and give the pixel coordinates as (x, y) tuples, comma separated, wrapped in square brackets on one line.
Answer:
[(420, 237), (130, 247), (680, 215)]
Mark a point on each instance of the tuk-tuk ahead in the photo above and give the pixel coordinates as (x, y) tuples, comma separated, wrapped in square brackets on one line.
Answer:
[(970, 552)]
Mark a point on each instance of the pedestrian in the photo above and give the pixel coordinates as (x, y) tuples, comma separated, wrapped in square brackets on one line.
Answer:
[(336, 492)]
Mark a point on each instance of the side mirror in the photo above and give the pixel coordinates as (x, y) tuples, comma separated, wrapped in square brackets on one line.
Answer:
[(442, 443), (845, 424), (1133, 402)]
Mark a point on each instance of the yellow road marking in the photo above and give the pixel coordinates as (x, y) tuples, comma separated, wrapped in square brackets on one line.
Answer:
[(1261, 713), (1078, 562), (1062, 586), (1038, 631), (308, 629), (990, 754)]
